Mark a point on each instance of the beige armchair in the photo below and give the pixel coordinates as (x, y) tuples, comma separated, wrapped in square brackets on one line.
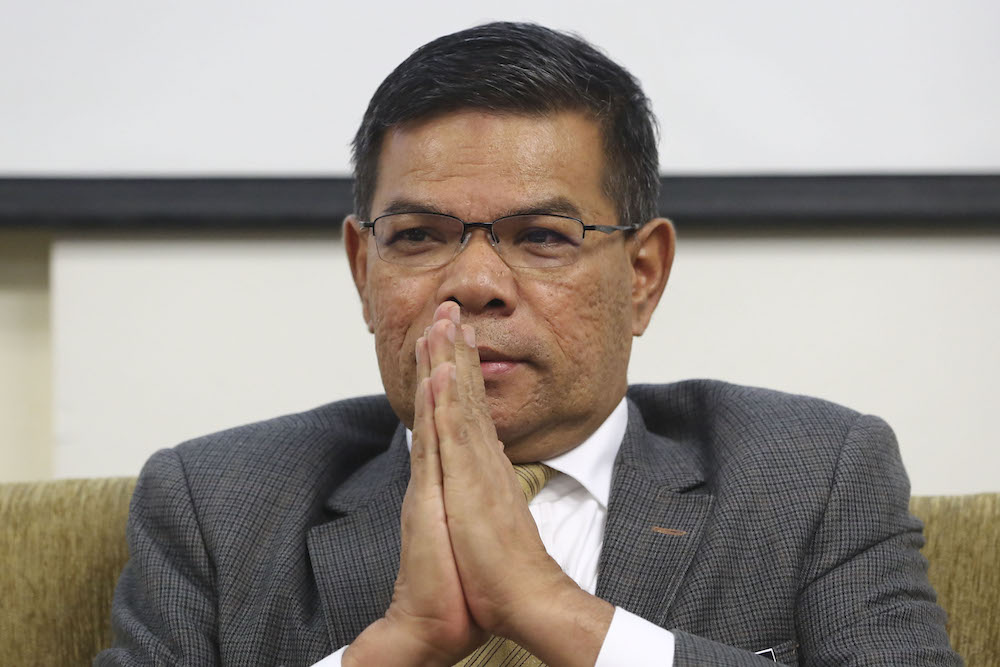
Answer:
[(63, 547)]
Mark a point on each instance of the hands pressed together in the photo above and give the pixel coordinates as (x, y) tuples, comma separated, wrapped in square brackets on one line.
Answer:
[(472, 564)]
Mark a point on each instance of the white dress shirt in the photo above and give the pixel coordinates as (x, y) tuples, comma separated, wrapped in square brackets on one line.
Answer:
[(570, 512)]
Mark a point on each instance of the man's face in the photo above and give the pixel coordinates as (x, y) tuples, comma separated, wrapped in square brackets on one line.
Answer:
[(554, 342)]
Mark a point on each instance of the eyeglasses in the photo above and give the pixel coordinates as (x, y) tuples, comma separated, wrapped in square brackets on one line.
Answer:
[(527, 241)]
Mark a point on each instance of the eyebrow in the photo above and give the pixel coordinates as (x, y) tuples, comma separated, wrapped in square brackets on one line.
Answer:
[(552, 205)]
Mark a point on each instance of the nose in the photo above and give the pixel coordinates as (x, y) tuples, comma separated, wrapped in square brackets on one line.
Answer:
[(478, 279)]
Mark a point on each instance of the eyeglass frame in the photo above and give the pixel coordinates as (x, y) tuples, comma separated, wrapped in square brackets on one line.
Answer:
[(488, 226)]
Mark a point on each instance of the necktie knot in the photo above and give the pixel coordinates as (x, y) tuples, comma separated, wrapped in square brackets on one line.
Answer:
[(532, 477)]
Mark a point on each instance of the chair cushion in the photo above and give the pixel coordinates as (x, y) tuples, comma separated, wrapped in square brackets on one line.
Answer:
[(63, 547), (963, 548), (62, 550)]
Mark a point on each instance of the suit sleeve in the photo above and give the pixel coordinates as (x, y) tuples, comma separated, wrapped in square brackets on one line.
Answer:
[(864, 597), (164, 609)]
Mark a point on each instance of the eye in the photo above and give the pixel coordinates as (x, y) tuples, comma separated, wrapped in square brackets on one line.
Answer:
[(412, 235), (415, 231), (542, 236)]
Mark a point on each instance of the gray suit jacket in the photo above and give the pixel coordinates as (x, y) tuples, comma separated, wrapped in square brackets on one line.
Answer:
[(742, 519)]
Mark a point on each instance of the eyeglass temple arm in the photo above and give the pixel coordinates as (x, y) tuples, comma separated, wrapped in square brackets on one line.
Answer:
[(607, 229)]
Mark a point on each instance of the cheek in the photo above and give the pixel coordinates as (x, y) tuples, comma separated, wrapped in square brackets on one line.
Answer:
[(399, 307), (592, 324), (396, 309)]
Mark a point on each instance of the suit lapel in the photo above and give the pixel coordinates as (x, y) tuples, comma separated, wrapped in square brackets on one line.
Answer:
[(355, 556), (656, 514)]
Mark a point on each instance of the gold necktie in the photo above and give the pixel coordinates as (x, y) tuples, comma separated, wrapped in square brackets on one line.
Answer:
[(498, 651)]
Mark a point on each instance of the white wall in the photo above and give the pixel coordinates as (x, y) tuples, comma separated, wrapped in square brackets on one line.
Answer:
[(157, 341), (260, 86)]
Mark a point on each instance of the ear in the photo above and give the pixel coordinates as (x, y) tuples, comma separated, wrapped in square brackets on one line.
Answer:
[(653, 255), (356, 244)]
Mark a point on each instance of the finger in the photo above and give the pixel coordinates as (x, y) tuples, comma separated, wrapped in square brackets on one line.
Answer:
[(423, 359), (471, 385), (461, 434), (469, 369), (441, 343), (423, 373), (473, 464), (454, 434), (449, 310), (425, 458), (442, 333), (443, 388), (447, 415)]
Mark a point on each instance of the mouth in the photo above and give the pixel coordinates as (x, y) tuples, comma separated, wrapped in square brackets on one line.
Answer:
[(495, 364)]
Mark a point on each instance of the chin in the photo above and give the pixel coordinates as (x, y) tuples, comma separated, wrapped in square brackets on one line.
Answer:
[(514, 434), (506, 428)]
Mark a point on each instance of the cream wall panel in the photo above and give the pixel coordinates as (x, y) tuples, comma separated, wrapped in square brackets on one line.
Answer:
[(160, 340), (902, 327), (25, 371)]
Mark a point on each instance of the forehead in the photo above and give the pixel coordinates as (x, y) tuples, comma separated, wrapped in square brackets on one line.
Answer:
[(479, 165)]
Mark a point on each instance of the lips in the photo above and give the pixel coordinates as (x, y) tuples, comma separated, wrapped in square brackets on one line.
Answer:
[(495, 364)]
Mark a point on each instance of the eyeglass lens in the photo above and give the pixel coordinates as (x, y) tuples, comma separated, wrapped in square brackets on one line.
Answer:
[(429, 239)]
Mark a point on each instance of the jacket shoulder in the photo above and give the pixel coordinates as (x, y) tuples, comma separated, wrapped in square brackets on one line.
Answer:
[(736, 429), (706, 405), (295, 460), (339, 430)]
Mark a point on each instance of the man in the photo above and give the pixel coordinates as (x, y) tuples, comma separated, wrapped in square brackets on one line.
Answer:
[(506, 249)]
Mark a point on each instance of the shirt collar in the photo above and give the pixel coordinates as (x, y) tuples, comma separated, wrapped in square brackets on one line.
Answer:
[(590, 463)]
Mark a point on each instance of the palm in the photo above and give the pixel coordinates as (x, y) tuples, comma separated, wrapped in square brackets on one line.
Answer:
[(428, 592)]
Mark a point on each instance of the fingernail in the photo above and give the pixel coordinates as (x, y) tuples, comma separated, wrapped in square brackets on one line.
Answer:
[(455, 314), (450, 332), (453, 372), (470, 335)]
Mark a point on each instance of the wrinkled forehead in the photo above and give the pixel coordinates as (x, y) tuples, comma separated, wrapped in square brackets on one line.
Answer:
[(480, 165)]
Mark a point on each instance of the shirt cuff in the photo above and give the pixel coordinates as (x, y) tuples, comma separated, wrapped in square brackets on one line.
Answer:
[(333, 660), (634, 642)]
